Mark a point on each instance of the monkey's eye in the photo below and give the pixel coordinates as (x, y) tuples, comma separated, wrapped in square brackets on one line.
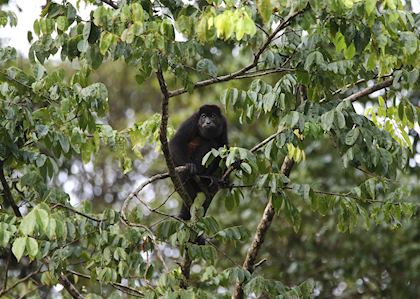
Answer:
[(213, 115), (202, 115)]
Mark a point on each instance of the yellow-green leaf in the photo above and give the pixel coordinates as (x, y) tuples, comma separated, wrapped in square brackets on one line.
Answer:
[(18, 247), (370, 5), (27, 225), (31, 247), (107, 39), (265, 9)]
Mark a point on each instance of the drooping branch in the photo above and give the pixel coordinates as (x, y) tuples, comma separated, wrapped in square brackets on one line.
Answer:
[(243, 71), (258, 240)]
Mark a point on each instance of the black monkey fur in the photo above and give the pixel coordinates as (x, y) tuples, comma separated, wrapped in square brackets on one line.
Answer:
[(204, 130)]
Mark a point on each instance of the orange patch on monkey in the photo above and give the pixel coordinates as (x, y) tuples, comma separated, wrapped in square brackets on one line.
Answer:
[(193, 145)]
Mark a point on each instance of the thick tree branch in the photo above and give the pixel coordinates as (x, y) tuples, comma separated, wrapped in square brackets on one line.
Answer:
[(179, 187), (243, 71), (164, 140), (258, 240)]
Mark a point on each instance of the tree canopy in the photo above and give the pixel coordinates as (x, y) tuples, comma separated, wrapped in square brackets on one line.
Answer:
[(322, 101)]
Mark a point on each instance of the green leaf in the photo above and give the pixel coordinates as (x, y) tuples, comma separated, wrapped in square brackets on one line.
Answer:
[(352, 136), (370, 5), (339, 42), (27, 225), (327, 120), (19, 247), (207, 66), (37, 29), (341, 121), (4, 237), (413, 77), (42, 219), (100, 16), (350, 51), (138, 12), (82, 46), (224, 25), (31, 247), (86, 30), (245, 25), (265, 9), (107, 39), (371, 187), (316, 57), (409, 40)]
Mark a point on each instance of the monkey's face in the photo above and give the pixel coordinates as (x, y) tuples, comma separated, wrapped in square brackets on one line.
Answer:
[(210, 124)]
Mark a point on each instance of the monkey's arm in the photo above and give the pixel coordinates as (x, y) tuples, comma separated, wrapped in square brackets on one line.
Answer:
[(178, 145)]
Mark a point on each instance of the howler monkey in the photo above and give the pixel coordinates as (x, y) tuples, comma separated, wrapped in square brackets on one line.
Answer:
[(204, 130)]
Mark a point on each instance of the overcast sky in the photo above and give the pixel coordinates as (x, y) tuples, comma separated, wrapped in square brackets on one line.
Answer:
[(31, 9)]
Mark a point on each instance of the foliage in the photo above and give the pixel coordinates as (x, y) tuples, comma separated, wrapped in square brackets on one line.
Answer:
[(315, 59)]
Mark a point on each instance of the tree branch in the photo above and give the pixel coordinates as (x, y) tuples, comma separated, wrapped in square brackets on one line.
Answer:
[(23, 279), (258, 240), (369, 90), (8, 197), (110, 3), (253, 150), (243, 71), (77, 212), (71, 289), (119, 286), (164, 140)]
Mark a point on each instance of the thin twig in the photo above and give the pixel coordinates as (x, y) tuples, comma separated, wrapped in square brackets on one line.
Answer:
[(253, 150), (265, 72), (159, 176), (77, 212), (25, 295), (16, 283), (117, 285), (165, 201)]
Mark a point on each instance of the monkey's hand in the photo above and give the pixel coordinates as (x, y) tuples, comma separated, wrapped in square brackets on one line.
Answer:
[(191, 168)]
